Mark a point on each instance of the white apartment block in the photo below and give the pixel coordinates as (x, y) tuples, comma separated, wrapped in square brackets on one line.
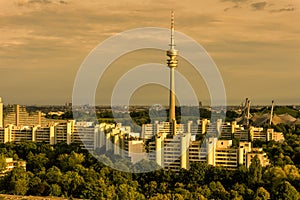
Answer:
[(90, 137), (171, 151), (258, 133)]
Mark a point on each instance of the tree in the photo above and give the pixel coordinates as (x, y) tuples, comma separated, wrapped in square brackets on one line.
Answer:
[(262, 194), (235, 195), (255, 172), (161, 197), (241, 174), (55, 190), (37, 187), (36, 162), (53, 175), (24, 148), (150, 189), (128, 192), (286, 191), (2, 163), (273, 177), (196, 174), (71, 183), (179, 189), (18, 181), (203, 191), (75, 159), (292, 172), (218, 191), (243, 191)]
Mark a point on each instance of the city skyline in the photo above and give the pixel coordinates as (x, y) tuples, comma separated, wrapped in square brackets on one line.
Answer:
[(255, 44)]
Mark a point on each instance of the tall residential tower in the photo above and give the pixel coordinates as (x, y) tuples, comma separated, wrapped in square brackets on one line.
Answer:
[(172, 64), (1, 113)]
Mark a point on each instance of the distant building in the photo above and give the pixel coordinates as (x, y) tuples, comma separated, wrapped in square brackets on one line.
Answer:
[(121, 141), (11, 164), (1, 113), (135, 150), (44, 134), (150, 130), (258, 133), (264, 161), (221, 153), (17, 115), (276, 136), (241, 135)]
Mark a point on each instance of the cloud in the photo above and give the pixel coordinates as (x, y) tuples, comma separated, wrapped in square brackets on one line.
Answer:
[(259, 5), (235, 1), (286, 9), (268, 6), (40, 2)]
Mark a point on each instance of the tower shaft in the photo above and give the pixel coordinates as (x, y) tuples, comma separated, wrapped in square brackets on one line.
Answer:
[(172, 114)]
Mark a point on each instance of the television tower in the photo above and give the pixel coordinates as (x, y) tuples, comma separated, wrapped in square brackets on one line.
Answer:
[(172, 64)]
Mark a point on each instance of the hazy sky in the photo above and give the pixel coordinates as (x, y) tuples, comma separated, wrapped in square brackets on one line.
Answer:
[(255, 44)]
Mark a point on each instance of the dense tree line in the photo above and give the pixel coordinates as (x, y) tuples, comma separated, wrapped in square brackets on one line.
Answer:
[(70, 171)]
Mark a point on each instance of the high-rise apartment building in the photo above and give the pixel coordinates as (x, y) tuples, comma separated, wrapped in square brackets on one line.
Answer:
[(18, 116), (1, 113)]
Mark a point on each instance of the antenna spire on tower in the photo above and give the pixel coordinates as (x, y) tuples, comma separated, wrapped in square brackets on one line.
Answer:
[(172, 45)]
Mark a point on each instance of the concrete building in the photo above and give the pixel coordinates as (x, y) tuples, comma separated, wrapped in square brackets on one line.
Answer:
[(276, 136), (222, 153), (198, 152), (11, 164), (134, 150), (200, 127), (1, 113), (121, 141), (214, 129), (171, 151), (86, 135), (227, 131), (257, 133), (241, 135), (17, 115), (63, 132), (151, 130), (264, 161), (44, 134)]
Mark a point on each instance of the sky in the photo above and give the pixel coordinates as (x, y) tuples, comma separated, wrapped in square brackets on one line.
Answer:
[(254, 43)]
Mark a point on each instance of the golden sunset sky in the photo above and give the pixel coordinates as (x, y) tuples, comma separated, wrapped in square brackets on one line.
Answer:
[(254, 43)]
